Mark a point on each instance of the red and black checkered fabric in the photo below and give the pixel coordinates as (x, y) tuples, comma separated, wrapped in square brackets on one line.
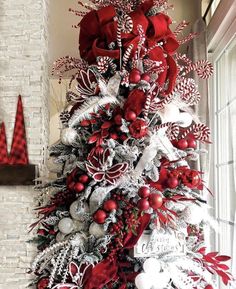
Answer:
[(19, 153), (3, 146)]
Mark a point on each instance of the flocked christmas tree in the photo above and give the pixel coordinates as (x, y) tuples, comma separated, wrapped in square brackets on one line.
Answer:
[(127, 210)]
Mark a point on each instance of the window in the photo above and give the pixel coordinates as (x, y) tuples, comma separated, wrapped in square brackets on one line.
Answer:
[(223, 113)]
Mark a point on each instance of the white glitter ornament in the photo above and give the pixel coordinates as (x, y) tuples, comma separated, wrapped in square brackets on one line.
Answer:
[(79, 210), (185, 119), (80, 226), (68, 136), (152, 266), (66, 226), (143, 281), (60, 237), (96, 230), (160, 280), (193, 214)]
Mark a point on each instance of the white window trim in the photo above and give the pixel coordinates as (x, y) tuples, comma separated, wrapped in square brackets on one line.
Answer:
[(220, 32), (220, 22)]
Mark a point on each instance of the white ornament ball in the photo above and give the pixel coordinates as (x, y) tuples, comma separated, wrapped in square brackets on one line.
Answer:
[(96, 230), (185, 119), (161, 280), (152, 266), (143, 281), (170, 113), (68, 136), (78, 211), (60, 237), (66, 226), (193, 214), (79, 226)]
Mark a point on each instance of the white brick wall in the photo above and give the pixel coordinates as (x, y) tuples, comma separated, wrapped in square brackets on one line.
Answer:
[(23, 70)]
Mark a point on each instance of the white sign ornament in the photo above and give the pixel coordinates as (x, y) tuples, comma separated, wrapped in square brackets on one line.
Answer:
[(159, 242)]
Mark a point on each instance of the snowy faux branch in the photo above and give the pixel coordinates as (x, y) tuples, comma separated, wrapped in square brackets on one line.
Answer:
[(158, 142)]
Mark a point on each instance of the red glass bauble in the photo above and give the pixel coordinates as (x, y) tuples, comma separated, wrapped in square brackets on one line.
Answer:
[(208, 287), (42, 232), (172, 182), (130, 116), (155, 201), (78, 187), (182, 144), (43, 283), (85, 123), (83, 179), (114, 136), (110, 205), (146, 77), (123, 137), (118, 119), (195, 178), (144, 192), (135, 76), (71, 186), (143, 204), (192, 143), (100, 217)]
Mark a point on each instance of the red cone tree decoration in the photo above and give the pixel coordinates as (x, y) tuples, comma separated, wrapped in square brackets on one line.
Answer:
[(19, 153), (3, 146)]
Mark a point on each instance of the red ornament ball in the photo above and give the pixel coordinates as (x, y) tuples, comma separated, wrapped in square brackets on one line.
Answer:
[(208, 287), (78, 187), (192, 143), (135, 76), (42, 232), (110, 205), (123, 137), (182, 144), (83, 179), (52, 232), (172, 182), (130, 116), (195, 178), (143, 204), (85, 123), (155, 201), (71, 186), (114, 136), (100, 217), (146, 77), (144, 192), (118, 119), (43, 283)]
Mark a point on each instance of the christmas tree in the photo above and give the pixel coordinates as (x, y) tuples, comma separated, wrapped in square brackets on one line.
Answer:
[(127, 210)]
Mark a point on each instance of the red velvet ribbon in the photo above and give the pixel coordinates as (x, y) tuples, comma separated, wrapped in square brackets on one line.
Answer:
[(98, 29), (111, 269)]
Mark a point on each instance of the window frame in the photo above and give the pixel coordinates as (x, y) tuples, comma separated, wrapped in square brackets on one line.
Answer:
[(223, 22)]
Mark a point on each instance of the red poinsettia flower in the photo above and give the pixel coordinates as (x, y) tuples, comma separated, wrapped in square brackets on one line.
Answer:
[(138, 128), (100, 168), (98, 31)]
